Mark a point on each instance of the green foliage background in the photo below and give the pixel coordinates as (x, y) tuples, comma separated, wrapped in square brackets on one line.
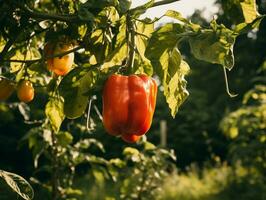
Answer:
[(219, 142)]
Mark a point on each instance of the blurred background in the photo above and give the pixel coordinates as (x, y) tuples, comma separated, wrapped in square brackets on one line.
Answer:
[(219, 142)]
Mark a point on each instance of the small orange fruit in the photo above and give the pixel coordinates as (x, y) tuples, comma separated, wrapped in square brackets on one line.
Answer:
[(25, 91), (6, 89), (59, 65)]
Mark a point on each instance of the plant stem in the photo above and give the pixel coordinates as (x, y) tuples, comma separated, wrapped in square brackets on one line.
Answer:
[(143, 179), (45, 16), (46, 58), (55, 167), (131, 43), (9, 43)]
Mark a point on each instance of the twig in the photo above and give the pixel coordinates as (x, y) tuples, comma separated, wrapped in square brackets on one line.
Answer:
[(40, 15), (46, 58), (130, 29)]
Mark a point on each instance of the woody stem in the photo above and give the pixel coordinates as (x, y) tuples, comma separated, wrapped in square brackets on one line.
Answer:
[(131, 43)]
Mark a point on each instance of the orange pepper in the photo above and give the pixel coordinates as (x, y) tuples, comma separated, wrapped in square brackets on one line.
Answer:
[(128, 105)]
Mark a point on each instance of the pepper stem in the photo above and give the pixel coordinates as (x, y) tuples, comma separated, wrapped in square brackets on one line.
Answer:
[(131, 43)]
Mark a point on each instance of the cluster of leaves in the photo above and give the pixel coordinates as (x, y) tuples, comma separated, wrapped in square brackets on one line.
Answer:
[(114, 38), (246, 127), (139, 174), (110, 38), (145, 174), (56, 157), (218, 182), (18, 184)]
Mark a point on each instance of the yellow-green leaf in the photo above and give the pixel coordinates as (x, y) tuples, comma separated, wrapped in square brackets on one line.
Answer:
[(249, 10), (54, 112)]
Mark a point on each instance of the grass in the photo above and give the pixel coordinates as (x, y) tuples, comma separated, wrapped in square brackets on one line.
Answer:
[(218, 183)]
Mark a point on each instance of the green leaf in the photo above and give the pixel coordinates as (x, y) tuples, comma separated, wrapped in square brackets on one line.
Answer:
[(86, 143), (96, 4), (116, 57), (64, 138), (249, 10), (233, 132), (132, 154), (130, 151), (117, 162), (18, 184), (168, 64), (120, 52), (74, 88), (136, 12), (107, 15), (72, 192), (176, 15), (174, 82), (98, 45), (167, 153), (149, 146), (243, 28), (85, 15), (143, 33), (142, 65), (165, 37), (54, 112), (214, 45), (122, 34), (124, 5), (241, 10)]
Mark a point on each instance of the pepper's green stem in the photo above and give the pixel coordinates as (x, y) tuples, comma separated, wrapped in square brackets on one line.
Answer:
[(131, 43)]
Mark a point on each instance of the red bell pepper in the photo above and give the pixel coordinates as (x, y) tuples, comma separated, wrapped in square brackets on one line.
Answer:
[(128, 105)]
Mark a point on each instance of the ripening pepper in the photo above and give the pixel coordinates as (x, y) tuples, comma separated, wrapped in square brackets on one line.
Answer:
[(128, 105), (6, 89)]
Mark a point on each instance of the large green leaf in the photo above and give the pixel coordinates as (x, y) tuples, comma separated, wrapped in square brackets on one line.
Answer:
[(168, 64), (142, 65), (164, 37), (124, 5), (75, 89), (143, 33), (55, 113), (241, 11), (244, 27), (214, 45), (98, 45), (176, 15), (18, 184), (108, 16), (64, 138), (120, 51), (173, 72)]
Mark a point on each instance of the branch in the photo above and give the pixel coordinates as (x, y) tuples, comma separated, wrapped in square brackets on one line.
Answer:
[(40, 15), (46, 58), (9, 43), (131, 41), (158, 3)]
